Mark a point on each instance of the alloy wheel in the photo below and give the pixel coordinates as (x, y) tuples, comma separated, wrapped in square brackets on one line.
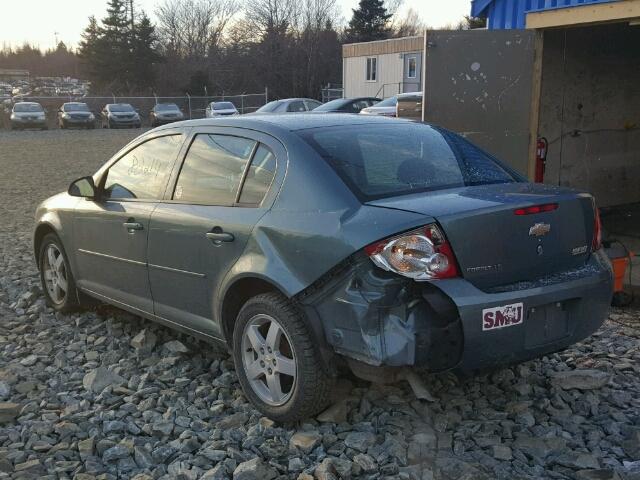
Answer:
[(268, 360), (55, 274)]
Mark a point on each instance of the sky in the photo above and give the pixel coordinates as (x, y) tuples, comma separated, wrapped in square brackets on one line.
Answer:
[(65, 19)]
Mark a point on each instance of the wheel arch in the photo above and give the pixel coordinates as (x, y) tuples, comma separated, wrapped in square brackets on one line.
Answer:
[(236, 295), (40, 232)]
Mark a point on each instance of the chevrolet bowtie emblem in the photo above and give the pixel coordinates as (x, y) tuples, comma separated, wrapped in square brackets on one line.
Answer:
[(539, 229)]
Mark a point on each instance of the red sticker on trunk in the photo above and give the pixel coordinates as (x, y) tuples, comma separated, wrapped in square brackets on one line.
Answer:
[(502, 316)]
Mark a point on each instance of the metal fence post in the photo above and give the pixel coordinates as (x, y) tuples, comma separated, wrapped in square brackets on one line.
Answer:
[(114, 97), (189, 101), (266, 95)]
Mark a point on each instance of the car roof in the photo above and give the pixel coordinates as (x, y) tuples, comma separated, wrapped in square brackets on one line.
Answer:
[(26, 103), (289, 121)]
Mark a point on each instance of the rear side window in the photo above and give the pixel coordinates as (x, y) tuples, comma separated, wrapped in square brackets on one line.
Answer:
[(142, 172), (378, 161), (296, 106), (259, 176), (213, 169)]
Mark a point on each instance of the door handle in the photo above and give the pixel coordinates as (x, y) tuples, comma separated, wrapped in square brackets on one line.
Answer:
[(131, 226), (218, 237)]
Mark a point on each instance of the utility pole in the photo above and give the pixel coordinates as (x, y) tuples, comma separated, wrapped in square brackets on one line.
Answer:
[(55, 34), (131, 13)]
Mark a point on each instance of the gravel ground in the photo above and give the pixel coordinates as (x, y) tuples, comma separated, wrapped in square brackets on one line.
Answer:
[(106, 395)]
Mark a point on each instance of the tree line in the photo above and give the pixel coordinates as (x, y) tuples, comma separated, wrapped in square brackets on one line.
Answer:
[(291, 47)]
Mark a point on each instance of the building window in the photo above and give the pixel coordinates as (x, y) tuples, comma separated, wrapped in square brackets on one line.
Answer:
[(372, 69), (412, 67)]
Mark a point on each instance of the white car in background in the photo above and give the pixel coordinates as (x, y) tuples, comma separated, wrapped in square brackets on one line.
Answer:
[(220, 109)]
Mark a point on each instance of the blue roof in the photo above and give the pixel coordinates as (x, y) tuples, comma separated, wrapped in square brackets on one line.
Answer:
[(505, 14)]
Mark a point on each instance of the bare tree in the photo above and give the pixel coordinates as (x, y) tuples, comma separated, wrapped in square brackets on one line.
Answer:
[(410, 25), (266, 17), (193, 28)]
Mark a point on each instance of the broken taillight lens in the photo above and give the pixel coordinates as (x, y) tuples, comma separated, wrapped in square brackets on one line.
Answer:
[(596, 243), (422, 254)]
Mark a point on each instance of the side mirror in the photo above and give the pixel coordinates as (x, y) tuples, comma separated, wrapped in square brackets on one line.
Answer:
[(82, 187)]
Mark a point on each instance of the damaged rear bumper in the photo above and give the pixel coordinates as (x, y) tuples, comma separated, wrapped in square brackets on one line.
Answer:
[(382, 319)]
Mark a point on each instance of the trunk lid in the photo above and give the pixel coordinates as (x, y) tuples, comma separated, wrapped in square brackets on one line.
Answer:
[(496, 247)]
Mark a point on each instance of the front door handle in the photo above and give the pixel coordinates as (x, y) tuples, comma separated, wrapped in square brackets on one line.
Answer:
[(218, 237), (132, 226)]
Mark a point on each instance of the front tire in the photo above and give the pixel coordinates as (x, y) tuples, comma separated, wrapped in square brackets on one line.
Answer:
[(278, 366), (56, 278)]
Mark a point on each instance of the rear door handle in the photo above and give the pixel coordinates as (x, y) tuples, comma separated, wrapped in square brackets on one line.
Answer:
[(131, 226), (218, 237)]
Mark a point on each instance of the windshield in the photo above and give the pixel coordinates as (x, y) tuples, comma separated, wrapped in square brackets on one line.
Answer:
[(269, 107), (27, 107), (121, 107), (332, 105), (378, 161), (388, 102), (224, 106), (75, 107), (166, 107)]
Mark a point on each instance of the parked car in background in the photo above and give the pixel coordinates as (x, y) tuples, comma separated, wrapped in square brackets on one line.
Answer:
[(76, 114), (388, 106), (409, 106), (28, 115), (291, 105), (303, 242), (347, 105), (116, 115), (163, 113), (220, 109)]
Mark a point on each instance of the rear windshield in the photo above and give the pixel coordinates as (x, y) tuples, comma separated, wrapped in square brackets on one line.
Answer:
[(332, 105), (379, 161), (224, 106), (27, 107), (388, 102), (270, 107)]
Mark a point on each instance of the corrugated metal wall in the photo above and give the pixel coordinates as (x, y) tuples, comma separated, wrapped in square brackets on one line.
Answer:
[(506, 14)]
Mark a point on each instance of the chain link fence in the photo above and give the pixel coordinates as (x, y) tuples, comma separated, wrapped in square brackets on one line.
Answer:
[(191, 106)]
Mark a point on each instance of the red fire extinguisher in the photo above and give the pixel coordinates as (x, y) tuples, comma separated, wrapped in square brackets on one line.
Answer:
[(541, 159)]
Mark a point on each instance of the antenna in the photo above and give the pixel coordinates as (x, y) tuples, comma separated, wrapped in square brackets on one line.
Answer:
[(55, 34)]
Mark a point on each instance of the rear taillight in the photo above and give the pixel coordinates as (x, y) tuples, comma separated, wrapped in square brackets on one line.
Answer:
[(547, 207), (597, 228), (422, 254)]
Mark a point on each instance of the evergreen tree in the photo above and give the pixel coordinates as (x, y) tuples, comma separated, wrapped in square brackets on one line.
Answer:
[(144, 52), (369, 22), (119, 54), (89, 50)]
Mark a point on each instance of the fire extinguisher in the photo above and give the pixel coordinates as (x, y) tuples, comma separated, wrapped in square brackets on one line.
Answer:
[(541, 158)]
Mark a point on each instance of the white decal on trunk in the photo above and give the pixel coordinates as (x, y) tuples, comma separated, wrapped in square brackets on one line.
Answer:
[(502, 316)]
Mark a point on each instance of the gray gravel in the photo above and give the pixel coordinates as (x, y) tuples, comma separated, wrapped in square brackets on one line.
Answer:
[(106, 395)]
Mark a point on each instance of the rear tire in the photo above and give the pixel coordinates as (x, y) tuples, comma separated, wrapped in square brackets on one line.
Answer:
[(278, 366), (57, 281)]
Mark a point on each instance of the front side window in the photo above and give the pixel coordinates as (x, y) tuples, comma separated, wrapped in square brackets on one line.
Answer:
[(213, 169), (142, 172), (372, 69), (412, 67), (378, 161)]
